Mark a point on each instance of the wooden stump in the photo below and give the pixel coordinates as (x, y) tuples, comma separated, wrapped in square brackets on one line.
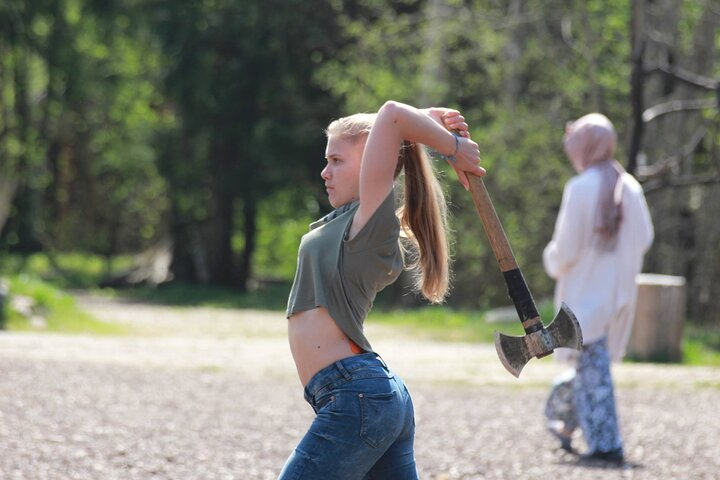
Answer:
[(657, 330)]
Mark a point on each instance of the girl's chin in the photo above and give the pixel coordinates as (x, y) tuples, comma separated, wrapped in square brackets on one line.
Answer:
[(333, 200)]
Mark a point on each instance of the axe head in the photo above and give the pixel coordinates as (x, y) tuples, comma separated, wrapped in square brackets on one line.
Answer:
[(515, 352)]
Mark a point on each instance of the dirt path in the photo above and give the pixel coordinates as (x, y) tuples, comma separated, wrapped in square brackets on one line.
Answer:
[(212, 394)]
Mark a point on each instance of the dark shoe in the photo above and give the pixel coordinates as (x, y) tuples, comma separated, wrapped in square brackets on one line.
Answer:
[(613, 456), (565, 441)]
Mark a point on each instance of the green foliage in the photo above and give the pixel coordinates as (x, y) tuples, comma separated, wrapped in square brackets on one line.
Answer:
[(701, 346), (70, 270), (383, 60), (280, 227), (80, 101)]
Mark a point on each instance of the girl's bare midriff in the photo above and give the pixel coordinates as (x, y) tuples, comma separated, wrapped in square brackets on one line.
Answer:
[(316, 342)]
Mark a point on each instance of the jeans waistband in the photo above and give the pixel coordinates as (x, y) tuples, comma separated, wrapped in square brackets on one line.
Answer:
[(344, 370)]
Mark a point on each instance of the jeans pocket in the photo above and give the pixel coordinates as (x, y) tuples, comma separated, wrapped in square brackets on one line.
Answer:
[(379, 417)]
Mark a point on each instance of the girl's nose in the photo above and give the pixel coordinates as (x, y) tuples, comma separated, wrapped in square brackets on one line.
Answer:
[(325, 173)]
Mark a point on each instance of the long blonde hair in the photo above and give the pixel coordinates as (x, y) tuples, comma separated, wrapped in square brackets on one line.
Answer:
[(423, 210)]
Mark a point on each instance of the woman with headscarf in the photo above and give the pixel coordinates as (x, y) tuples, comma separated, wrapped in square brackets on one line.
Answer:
[(602, 231)]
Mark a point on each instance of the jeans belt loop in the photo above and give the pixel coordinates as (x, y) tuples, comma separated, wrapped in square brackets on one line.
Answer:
[(343, 371), (380, 359)]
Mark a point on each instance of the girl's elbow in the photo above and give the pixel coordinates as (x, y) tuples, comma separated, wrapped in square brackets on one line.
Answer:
[(390, 117), (390, 105), (389, 110)]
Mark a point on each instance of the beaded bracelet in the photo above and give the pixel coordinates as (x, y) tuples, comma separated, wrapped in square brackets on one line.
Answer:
[(451, 158)]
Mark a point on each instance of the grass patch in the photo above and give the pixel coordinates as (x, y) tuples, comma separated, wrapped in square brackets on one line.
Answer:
[(73, 270), (86, 271), (271, 297), (701, 346), (56, 307), (444, 324)]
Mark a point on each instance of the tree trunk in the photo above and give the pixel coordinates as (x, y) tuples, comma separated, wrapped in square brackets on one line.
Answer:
[(183, 230), (219, 231), (27, 200), (636, 84), (222, 230), (8, 187), (250, 235)]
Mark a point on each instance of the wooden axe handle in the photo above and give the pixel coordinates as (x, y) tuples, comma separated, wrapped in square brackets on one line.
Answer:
[(493, 228), (517, 287)]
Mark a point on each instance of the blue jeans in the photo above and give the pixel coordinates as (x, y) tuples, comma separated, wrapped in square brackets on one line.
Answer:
[(364, 428)]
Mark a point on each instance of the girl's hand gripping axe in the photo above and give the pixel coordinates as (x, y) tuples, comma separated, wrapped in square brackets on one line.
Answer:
[(538, 341)]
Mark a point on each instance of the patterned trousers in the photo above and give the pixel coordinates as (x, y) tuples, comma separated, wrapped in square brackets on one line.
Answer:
[(585, 398)]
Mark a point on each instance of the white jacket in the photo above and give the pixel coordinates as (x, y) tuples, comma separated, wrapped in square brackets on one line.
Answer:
[(599, 286)]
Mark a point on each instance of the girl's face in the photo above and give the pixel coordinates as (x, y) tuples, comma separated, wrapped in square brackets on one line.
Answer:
[(342, 172)]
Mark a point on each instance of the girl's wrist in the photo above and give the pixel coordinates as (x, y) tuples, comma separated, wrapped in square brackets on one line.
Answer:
[(436, 114), (451, 157)]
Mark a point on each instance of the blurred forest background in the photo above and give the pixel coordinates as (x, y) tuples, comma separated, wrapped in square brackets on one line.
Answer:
[(182, 140)]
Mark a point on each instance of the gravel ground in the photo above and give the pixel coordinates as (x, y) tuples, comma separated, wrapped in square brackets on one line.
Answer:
[(218, 399)]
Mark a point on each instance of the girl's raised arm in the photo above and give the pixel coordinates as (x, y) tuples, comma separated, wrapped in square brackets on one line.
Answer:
[(396, 122)]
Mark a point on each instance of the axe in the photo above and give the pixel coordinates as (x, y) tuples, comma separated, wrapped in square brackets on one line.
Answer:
[(538, 341)]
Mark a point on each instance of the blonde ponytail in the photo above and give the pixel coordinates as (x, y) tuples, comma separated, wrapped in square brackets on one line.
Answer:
[(423, 218)]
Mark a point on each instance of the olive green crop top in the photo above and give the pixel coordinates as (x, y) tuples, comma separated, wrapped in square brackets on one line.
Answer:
[(345, 275)]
